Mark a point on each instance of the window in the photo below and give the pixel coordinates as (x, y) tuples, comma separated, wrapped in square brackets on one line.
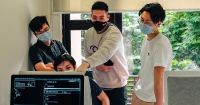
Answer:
[(182, 29)]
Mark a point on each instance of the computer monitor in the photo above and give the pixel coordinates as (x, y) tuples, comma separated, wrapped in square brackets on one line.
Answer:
[(49, 89), (182, 87)]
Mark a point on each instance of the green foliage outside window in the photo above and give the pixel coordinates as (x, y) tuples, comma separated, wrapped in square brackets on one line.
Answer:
[(183, 31)]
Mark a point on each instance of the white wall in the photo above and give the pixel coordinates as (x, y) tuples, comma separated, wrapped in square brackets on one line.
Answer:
[(56, 26), (77, 6), (14, 40)]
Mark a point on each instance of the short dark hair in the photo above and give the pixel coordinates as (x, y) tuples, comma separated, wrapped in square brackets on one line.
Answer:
[(156, 11), (37, 23), (64, 57), (99, 5)]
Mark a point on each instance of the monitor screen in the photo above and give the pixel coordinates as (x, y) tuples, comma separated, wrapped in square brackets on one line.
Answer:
[(47, 89)]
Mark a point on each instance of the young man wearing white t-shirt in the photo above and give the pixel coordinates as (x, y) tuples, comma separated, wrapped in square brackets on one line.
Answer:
[(156, 57)]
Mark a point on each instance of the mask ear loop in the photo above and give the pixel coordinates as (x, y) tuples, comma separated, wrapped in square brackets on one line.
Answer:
[(153, 31), (139, 20)]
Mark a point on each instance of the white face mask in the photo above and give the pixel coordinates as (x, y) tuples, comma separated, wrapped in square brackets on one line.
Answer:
[(46, 36), (69, 71), (145, 29), (66, 71)]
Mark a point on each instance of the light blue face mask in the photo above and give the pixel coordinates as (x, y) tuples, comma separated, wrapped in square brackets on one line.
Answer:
[(70, 71), (46, 36), (67, 71), (145, 29)]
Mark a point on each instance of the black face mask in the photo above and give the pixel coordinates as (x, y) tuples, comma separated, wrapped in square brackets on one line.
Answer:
[(98, 26)]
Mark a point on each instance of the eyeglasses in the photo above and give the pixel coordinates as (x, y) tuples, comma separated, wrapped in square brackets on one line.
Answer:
[(45, 30), (149, 23)]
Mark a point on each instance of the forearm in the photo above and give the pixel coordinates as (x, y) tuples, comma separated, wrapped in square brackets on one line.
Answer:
[(158, 84), (94, 60), (49, 65), (158, 89), (44, 67), (104, 98), (105, 102), (106, 50), (83, 67)]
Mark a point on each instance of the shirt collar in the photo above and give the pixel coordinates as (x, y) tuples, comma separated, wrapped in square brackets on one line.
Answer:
[(40, 43)]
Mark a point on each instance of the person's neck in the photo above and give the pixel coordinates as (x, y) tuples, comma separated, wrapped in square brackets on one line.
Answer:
[(48, 43), (152, 35)]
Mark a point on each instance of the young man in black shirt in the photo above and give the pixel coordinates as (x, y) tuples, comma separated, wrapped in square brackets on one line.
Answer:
[(43, 53), (93, 92)]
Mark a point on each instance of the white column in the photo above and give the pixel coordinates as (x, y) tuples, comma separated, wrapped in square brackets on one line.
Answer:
[(76, 41)]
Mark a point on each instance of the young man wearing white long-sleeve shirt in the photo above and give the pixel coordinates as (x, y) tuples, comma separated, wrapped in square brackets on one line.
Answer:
[(104, 52)]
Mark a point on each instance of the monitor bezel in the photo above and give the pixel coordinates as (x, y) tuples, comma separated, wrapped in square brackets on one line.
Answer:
[(45, 76)]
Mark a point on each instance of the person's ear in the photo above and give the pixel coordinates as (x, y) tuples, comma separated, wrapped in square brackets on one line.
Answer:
[(108, 17), (35, 34), (158, 24)]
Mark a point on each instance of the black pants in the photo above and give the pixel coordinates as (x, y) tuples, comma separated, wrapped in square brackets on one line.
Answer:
[(117, 96)]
